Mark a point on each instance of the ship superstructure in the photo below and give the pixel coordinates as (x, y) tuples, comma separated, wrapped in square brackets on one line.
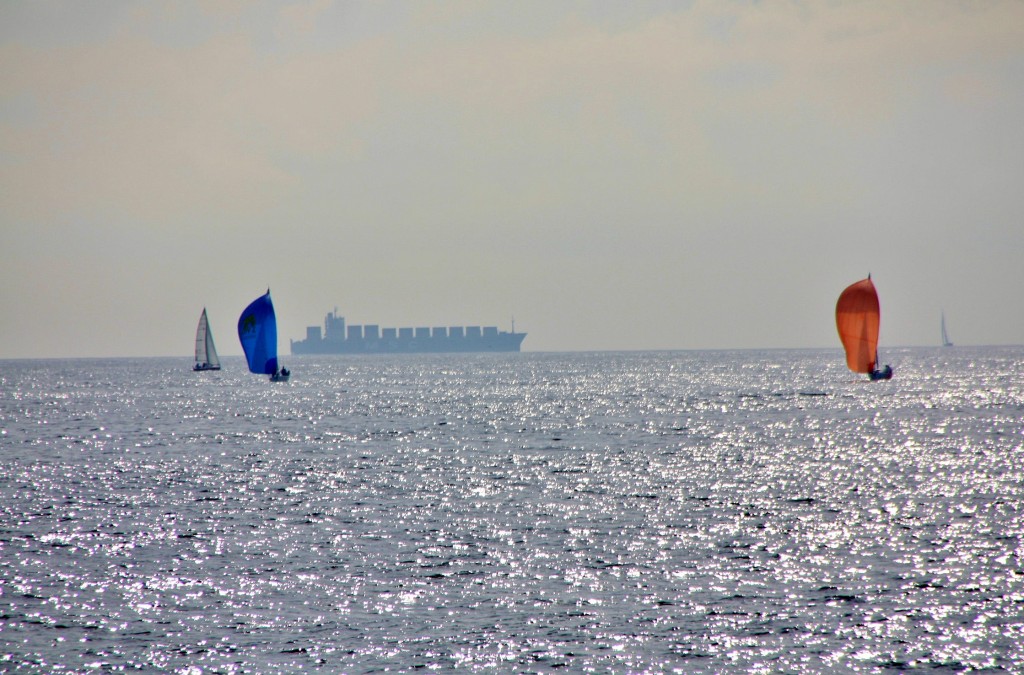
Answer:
[(338, 338)]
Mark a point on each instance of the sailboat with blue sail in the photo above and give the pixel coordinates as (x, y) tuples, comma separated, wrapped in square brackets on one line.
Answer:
[(257, 331)]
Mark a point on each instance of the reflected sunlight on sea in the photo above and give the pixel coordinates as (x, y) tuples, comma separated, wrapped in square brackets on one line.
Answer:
[(692, 512)]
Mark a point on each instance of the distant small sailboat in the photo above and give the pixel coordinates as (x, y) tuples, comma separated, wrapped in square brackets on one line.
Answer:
[(858, 319), (206, 353), (257, 331), (945, 336)]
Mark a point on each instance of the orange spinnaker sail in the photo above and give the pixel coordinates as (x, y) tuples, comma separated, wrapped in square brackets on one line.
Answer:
[(857, 319)]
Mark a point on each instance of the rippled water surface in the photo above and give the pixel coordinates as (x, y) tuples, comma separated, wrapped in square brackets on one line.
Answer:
[(606, 512)]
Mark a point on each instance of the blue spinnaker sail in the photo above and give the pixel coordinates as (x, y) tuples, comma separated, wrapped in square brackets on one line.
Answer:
[(257, 330)]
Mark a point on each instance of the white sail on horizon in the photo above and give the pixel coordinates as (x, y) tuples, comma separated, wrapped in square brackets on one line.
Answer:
[(206, 352)]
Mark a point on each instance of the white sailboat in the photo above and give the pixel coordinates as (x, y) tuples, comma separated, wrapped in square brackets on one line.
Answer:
[(945, 335), (206, 353)]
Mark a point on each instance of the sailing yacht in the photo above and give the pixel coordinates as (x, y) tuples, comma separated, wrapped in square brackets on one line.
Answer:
[(857, 319), (206, 353), (945, 336), (257, 331)]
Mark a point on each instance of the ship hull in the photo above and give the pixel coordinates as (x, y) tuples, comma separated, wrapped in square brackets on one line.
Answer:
[(502, 342)]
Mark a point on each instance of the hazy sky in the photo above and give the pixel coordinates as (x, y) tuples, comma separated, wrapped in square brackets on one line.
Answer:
[(615, 175)]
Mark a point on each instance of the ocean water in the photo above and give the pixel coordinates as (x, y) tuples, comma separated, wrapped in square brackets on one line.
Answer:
[(692, 512)]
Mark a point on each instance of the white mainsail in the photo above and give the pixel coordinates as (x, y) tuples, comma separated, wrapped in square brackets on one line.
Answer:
[(206, 352)]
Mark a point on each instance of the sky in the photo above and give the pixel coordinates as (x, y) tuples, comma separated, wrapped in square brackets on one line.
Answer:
[(611, 175)]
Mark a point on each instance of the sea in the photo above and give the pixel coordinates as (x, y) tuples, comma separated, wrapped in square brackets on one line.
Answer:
[(602, 512)]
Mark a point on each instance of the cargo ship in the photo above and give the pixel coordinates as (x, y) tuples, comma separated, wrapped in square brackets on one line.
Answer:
[(337, 338)]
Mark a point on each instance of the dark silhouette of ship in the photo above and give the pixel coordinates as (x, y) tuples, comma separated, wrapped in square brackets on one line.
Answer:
[(337, 338)]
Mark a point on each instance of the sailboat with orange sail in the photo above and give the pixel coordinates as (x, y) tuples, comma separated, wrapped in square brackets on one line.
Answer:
[(858, 319)]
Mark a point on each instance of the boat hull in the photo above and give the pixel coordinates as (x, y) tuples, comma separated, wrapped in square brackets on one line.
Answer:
[(883, 374), (503, 342), (204, 366)]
